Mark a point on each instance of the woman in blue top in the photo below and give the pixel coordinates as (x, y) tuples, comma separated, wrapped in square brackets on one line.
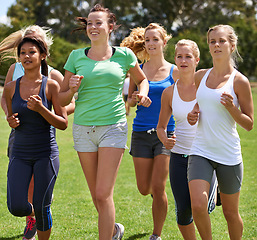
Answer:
[(8, 49), (151, 158), (100, 129), (35, 152)]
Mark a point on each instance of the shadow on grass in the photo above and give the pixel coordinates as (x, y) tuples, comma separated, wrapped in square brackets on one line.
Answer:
[(136, 236), (12, 238)]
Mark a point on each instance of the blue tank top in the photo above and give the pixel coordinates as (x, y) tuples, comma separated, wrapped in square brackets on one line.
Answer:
[(34, 137), (147, 118)]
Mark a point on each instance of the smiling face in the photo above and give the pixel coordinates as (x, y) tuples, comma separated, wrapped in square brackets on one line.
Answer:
[(219, 44), (154, 42), (30, 56), (98, 27), (185, 58)]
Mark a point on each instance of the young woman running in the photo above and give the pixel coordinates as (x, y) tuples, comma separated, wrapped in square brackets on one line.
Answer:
[(224, 99)]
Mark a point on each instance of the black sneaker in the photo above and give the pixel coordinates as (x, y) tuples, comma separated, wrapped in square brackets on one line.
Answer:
[(30, 229)]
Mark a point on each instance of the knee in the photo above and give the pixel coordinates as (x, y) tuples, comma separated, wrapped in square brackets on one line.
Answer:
[(102, 197), (18, 209), (144, 189), (199, 207), (158, 189), (231, 215), (184, 216)]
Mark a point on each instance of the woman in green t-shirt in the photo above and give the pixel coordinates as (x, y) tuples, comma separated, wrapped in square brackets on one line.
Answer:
[(97, 73)]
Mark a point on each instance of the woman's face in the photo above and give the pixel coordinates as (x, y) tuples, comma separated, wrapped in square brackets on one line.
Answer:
[(154, 42), (185, 59), (30, 56), (219, 44), (98, 27)]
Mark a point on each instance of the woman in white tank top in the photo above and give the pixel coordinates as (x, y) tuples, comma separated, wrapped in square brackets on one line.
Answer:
[(224, 100), (178, 100)]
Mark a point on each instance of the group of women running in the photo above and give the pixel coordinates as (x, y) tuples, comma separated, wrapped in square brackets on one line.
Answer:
[(185, 124)]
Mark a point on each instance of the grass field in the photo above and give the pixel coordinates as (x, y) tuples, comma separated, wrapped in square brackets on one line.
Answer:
[(73, 211)]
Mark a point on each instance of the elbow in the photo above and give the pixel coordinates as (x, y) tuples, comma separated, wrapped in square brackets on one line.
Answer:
[(64, 125), (249, 128)]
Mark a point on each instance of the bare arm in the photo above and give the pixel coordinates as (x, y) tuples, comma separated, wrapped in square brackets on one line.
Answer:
[(244, 115), (69, 87), (164, 117), (132, 92), (142, 84), (57, 76), (8, 79)]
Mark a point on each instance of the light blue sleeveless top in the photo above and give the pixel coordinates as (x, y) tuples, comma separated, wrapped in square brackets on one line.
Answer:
[(19, 71)]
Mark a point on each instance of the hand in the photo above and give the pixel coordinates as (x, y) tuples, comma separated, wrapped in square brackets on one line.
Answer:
[(75, 82), (193, 116), (227, 100), (170, 142), (13, 121), (35, 103), (134, 97), (143, 100)]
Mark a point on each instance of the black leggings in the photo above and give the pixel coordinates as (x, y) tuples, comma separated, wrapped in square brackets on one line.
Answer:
[(19, 174), (179, 186)]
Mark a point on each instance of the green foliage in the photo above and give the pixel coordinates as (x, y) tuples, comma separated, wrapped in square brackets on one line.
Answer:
[(184, 19), (60, 51)]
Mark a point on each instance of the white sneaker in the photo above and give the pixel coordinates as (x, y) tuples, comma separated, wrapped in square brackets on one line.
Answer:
[(120, 231), (154, 237)]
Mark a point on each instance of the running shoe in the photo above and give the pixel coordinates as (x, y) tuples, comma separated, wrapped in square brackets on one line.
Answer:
[(120, 231), (30, 229), (154, 237)]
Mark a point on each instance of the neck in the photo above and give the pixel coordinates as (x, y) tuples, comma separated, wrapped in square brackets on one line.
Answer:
[(187, 78), (100, 51), (222, 67), (157, 61), (32, 75)]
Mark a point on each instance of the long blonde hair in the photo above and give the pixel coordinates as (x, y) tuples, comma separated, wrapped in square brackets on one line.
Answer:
[(8, 47), (136, 40)]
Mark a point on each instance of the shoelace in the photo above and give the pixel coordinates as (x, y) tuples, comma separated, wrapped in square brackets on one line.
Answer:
[(30, 224)]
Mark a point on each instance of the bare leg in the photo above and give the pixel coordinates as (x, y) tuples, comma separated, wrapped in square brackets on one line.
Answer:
[(101, 170), (43, 235), (188, 231), (199, 190), (230, 206)]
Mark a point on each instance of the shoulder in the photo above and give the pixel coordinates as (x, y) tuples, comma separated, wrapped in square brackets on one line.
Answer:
[(168, 92), (10, 87), (51, 83), (199, 75), (124, 50), (241, 82), (175, 73), (78, 51), (56, 75)]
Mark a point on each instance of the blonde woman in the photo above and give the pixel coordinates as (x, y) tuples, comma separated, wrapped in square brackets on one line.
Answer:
[(178, 100), (224, 99), (151, 158)]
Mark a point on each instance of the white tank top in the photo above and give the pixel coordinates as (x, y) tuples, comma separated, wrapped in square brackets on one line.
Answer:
[(216, 136), (184, 132)]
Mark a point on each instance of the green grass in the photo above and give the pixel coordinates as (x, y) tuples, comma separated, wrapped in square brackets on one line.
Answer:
[(73, 211)]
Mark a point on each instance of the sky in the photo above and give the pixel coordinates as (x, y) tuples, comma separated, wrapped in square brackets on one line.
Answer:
[(5, 4)]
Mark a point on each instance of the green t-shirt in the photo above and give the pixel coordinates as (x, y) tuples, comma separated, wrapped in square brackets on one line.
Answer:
[(99, 99)]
